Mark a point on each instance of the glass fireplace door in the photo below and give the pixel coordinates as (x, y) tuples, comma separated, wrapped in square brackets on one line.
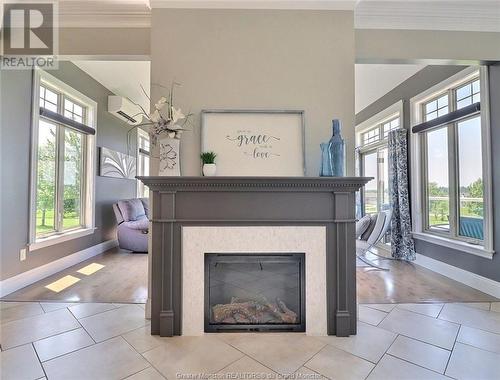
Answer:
[(254, 292)]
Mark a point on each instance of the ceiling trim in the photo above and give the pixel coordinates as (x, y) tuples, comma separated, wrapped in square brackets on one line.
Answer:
[(256, 4), (477, 15), (104, 13), (104, 21), (453, 15)]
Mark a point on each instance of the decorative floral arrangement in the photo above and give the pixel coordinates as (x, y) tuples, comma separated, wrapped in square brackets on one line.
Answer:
[(165, 119)]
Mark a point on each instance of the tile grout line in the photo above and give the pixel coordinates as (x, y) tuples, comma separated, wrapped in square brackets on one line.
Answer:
[(418, 365), (138, 353), (251, 357), (24, 317), (312, 357), (419, 313), (385, 353), (418, 340), (478, 348), (39, 361), (234, 361), (49, 336), (439, 314), (84, 329), (316, 372), (453, 349), (135, 373), (146, 359), (473, 327)]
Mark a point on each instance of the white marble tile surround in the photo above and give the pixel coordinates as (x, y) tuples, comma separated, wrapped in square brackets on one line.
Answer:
[(196, 241)]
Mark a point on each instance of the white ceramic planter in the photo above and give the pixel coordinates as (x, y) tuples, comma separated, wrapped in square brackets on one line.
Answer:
[(169, 157), (209, 170)]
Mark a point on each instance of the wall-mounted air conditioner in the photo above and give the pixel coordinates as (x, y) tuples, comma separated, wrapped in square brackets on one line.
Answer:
[(124, 109)]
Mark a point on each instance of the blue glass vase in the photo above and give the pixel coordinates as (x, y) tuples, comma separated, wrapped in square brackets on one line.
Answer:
[(333, 153)]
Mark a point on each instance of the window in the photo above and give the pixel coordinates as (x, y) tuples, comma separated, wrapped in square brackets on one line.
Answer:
[(438, 194), (468, 94), (451, 196), (371, 136), (374, 160), (390, 126), (436, 107), (73, 110), (63, 161), (142, 162)]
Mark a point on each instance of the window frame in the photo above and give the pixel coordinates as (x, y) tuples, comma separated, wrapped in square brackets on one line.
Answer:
[(140, 186), (87, 216), (418, 143)]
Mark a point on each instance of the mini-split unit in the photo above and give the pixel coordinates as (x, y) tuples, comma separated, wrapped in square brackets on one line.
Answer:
[(124, 109)]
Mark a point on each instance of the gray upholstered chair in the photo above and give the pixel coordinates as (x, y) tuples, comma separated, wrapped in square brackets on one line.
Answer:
[(374, 233), (132, 216)]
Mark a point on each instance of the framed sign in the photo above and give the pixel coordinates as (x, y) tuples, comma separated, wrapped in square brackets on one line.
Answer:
[(255, 143)]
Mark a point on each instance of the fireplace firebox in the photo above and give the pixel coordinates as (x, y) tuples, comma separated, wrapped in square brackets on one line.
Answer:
[(254, 292)]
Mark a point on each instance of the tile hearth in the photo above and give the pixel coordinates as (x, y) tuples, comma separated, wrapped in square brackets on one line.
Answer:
[(112, 341)]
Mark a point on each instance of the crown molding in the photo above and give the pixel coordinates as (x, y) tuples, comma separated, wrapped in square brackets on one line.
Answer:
[(347, 5), (453, 15), (104, 13), (473, 16), (104, 21)]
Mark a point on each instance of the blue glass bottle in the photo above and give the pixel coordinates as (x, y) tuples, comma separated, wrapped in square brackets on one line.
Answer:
[(333, 153)]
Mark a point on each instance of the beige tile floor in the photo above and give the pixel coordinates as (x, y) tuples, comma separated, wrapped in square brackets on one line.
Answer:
[(112, 341)]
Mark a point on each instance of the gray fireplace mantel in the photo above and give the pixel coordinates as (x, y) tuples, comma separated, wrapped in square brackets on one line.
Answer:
[(252, 201)]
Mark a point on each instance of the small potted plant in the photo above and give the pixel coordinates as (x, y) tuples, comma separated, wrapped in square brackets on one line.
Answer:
[(208, 160)]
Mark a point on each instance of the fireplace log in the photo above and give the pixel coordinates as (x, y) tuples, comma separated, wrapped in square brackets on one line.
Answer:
[(286, 311), (282, 312), (247, 310), (252, 312)]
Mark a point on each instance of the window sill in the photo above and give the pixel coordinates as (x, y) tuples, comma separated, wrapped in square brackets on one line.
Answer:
[(60, 238), (455, 244)]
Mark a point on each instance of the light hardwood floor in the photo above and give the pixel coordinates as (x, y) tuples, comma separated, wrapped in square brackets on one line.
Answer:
[(123, 279), (408, 282)]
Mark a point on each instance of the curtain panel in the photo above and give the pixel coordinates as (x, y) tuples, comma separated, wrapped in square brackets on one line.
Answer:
[(402, 244)]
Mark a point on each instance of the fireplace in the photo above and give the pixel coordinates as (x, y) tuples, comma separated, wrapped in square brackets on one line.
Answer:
[(195, 215), (254, 292)]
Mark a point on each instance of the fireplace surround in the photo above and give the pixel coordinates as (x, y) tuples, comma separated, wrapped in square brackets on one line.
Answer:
[(182, 204), (254, 292)]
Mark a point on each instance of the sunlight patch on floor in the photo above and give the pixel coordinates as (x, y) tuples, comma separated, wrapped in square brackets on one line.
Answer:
[(62, 283), (91, 269)]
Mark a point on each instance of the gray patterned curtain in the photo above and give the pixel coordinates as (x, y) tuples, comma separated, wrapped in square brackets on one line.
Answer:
[(402, 245)]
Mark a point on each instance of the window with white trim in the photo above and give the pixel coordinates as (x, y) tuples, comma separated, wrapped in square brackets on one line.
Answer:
[(373, 162), (142, 162), (450, 162), (62, 160)]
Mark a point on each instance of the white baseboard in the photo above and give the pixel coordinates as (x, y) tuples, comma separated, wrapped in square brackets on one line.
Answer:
[(473, 280), (24, 279)]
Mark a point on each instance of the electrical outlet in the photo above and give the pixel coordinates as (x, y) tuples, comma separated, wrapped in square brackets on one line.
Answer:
[(22, 254)]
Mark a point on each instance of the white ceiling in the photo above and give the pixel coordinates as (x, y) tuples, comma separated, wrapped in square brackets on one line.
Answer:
[(123, 78), (374, 81), (464, 15)]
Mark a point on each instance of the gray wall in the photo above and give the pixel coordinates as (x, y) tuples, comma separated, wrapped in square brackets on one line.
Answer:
[(421, 81), (439, 46), (258, 59), (15, 149)]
